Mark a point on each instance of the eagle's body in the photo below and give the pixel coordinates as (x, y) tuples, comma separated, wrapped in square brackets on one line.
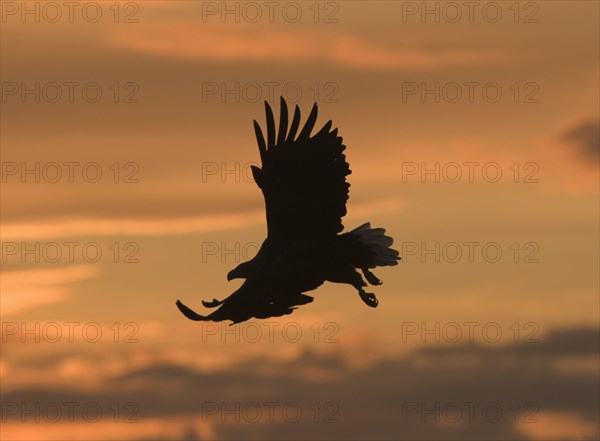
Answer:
[(303, 180)]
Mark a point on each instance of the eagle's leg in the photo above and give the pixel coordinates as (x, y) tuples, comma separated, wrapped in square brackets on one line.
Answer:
[(348, 274), (369, 298), (371, 277)]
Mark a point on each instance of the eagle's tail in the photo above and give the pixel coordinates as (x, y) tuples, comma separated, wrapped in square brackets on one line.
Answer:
[(375, 246)]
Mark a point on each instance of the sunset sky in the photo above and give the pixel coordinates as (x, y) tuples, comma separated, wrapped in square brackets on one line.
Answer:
[(126, 139)]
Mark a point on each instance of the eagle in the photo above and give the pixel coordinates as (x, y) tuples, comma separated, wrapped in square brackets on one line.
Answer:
[(303, 181)]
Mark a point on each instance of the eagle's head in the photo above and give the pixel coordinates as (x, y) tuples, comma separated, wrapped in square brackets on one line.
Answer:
[(242, 271)]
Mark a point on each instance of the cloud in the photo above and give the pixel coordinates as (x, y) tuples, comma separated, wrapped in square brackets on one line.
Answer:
[(137, 227), (223, 43), (370, 401), (560, 425), (27, 289), (157, 227), (585, 136), (569, 157), (186, 427)]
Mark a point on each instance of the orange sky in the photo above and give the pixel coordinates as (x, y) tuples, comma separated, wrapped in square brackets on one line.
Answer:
[(173, 211)]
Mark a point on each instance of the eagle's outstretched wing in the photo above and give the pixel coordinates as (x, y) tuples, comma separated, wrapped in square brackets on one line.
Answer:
[(303, 178), (252, 299)]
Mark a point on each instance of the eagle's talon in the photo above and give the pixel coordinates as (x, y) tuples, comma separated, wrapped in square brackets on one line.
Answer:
[(212, 304), (371, 278), (369, 299)]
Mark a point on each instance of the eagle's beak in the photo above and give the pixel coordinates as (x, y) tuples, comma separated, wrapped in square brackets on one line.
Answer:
[(231, 275), (239, 272)]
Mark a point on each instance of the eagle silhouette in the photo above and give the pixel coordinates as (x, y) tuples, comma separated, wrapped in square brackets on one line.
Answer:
[(303, 180)]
